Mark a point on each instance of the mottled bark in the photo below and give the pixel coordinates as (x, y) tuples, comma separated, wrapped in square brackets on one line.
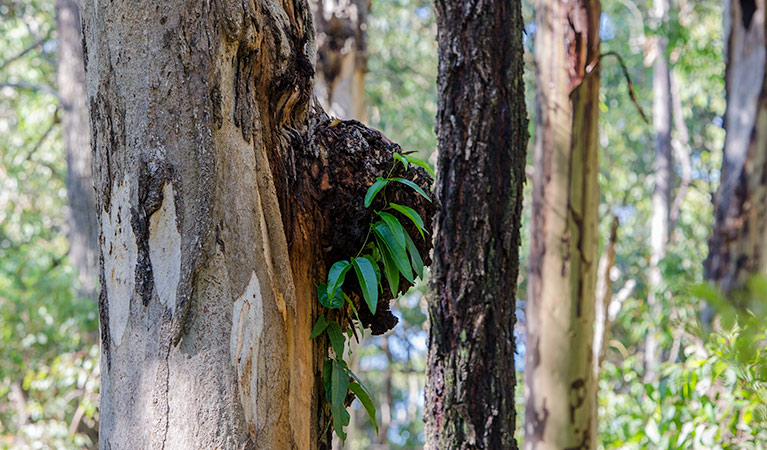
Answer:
[(482, 138), (223, 194), (661, 197), (83, 226), (559, 380), (736, 247), (341, 28)]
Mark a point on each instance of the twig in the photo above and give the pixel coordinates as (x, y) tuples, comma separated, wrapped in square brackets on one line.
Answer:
[(633, 96), (35, 87), (21, 54)]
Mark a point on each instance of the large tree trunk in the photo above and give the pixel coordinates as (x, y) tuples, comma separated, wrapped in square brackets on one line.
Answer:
[(482, 137), (341, 27), (83, 226), (661, 197), (223, 195), (736, 247), (563, 261)]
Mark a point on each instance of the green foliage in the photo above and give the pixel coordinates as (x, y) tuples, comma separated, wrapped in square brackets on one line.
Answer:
[(391, 246)]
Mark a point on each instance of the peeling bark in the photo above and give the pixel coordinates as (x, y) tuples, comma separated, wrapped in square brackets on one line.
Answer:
[(740, 206), (223, 192), (560, 385), (482, 138)]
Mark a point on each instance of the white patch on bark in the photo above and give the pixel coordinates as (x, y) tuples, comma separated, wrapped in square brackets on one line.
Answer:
[(247, 328), (165, 248), (120, 255)]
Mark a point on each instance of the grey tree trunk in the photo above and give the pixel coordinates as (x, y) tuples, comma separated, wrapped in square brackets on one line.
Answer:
[(341, 27), (83, 226), (736, 247), (559, 380), (482, 139), (224, 194)]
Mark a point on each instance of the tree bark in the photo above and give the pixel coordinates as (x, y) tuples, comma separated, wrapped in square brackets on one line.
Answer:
[(740, 217), (83, 226), (559, 376), (224, 195), (482, 138), (661, 197), (341, 28)]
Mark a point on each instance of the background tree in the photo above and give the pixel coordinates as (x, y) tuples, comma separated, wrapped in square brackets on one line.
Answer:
[(563, 260), (482, 139)]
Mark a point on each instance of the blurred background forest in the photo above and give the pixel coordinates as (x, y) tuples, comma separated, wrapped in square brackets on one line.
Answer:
[(710, 392)]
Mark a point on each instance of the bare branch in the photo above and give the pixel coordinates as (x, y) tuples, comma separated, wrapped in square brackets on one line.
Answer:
[(21, 54), (34, 87), (630, 85)]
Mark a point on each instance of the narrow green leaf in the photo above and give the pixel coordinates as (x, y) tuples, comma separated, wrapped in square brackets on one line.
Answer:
[(368, 281), (400, 158), (412, 185), (374, 189), (336, 302), (421, 163), (339, 386), (374, 263), (366, 402), (398, 252), (390, 268), (395, 227), (359, 322), (336, 338), (326, 375), (319, 326), (410, 214), (336, 276), (415, 257)]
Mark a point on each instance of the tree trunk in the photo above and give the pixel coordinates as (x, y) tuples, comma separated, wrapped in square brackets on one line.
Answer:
[(341, 27), (482, 139), (740, 218), (224, 193), (661, 197), (83, 226), (563, 259)]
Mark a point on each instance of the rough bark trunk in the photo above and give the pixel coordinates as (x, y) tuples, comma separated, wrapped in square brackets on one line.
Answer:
[(341, 28), (83, 226), (559, 377), (224, 194), (661, 197), (482, 138), (740, 218)]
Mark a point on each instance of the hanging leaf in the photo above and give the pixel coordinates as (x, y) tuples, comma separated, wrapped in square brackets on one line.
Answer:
[(421, 163), (395, 226), (412, 185), (374, 263), (336, 276), (410, 214), (319, 326), (359, 322), (336, 338), (374, 189), (390, 268), (366, 402), (398, 252), (368, 281), (336, 302), (339, 386), (415, 257)]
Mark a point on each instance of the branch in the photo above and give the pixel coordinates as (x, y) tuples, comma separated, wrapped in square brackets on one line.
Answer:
[(682, 150), (630, 85), (603, 297), (34, 87), (21, 54)]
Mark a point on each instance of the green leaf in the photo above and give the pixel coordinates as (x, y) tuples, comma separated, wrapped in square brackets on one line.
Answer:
[(412, 185), (319, 326), (368, 281), (326, 374), (366, 402), (336, 338), (415, 257), (359, 322), (339, 386), (374, 189), (400, 158), (390, 268), (410, 214), (336, 302), (395, 227), (421, 163), (398, 253), (336, 276)]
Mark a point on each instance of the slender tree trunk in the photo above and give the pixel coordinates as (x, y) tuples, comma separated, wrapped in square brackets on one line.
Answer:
[(341, 27), (661, 198), (559, 376), (83, 226), (736, 247), (224, 193), (482, 138)]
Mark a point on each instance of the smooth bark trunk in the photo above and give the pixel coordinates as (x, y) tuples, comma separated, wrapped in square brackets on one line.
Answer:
[(482, 138), (559, 381)]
